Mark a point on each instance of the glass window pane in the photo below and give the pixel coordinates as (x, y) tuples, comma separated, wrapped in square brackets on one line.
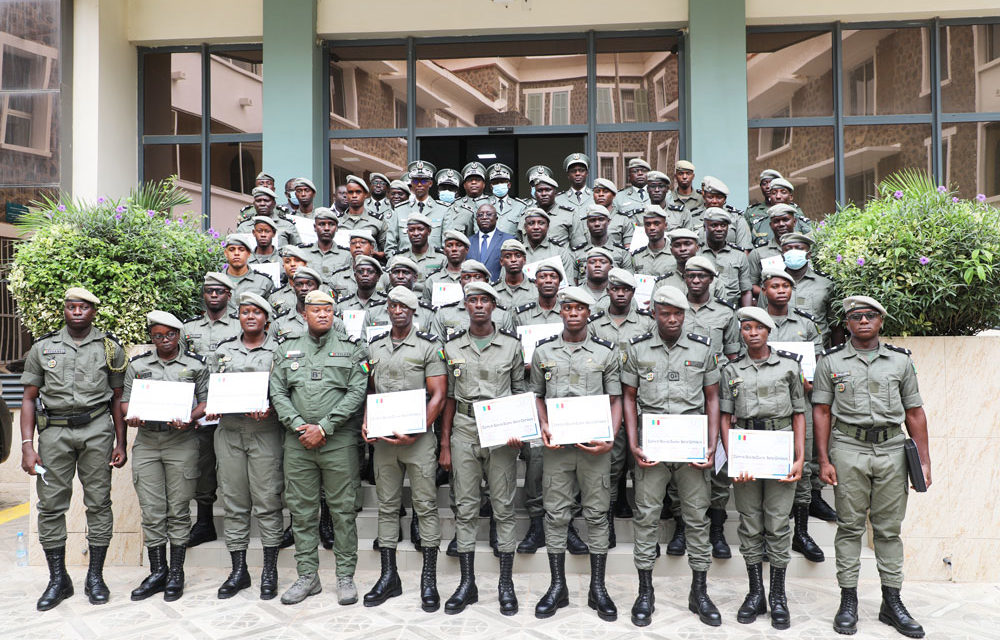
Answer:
[(182, 160), (31, 56), (234, 165), (970, 157), (789, 74), (364, 156), (886, 71), (872, 153), (171, 93), (642, 73), (507, 84), (614, 150), (237, 91), (368, 87), (974, 69), (804, 155)]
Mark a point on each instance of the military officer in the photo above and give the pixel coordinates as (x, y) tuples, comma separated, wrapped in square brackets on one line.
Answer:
[(403, 272), (729, 259), (378, 201), (165, 455), (343, 282), (623, 223), (537, 243), (366, 296), (574, 363), (654, 259), (402, 359), (202, 335), (513, 287), (461, 213), (634, 196), (562, 218), (658, 185), (595, 222), (427, 258), (248, 447), (356, 217), (869, 387), (759, 209), (714, 193), (456, 249), (545, 308), (684, 192), (237, 251), (265, 204), (508, 207), (598, 261), (317, 388), (669, 371), (72, 382), (452, 318), (448, 182), (780, 191), (484, 363), (762, 390), (782, 219), (813, 291), (283, 298), (305, 197), (399, 193), (263, 231), (324, 255), (578, 195), (421, 177), (683, 247), (291, 323)]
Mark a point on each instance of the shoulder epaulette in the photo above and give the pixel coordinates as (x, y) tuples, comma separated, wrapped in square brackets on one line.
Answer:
[(375, 214), (805, 314), (141, 355), (662, 276), (509, 332), (192, 318), (578, 247), (379, 336), (524, 307), (244, 209), (282, 314), (376, 303), (760, 242), (229, 339), (803, 218), (727, 303), (827, 352), (700, 338), (234, 315), (47, 335), (113, 338), (632, 212), (546, 340), (618, 245), (788, 354), (640, 250), (347, 297), (195, 356), (435, 272), (501, 307), (567, 207), (645, 312), (523, 201), (604, 343), (352, 339), (283, 208), (638, 339), (820, 273), (895, 348), (730, 208), (305, 245), (495, 283), (347, 268), (430, 337), (455, 335), (449, 305), (735, 246), (675, 207), (558, 243), (595, 316), (427, 305), (280, 339)]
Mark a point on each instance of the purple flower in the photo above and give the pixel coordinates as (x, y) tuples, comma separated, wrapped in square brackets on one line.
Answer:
[(981, 197), (120, 208), (61, 207), (942, 189), (166, 221), (118, 216), (898, 195), (924, 260), (150, 212), (100, 200), (215, 234), (954, 199), (861, 262), (840, 258)]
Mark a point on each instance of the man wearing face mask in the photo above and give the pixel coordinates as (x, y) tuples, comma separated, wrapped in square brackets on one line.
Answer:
[(782, 218), (378, 202), (264, 204), (508, 207), (290, 197), (780, 191), (813, 291), (461, 213), (634, 196)]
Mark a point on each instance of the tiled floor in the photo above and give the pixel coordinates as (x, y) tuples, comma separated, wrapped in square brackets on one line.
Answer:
[(947, 611)]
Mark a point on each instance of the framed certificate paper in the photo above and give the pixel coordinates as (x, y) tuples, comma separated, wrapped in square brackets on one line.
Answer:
[(675, 438), (579, 419), (160, 400), (504, 418), (403, 412), (531, 333), (805, 349), (443, 293), (762, 454), (237, 392)]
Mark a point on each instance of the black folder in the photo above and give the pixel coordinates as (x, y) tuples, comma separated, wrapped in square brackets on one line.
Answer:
[(913, 467)]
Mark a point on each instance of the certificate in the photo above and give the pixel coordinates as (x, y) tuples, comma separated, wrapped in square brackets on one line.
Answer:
[(644, 284), (443, 293), (305, 227), (530, 334), (773, 262), (404, 412), (579, 419), (354, 322), (675, 438), (160, 400), (805, 349), (342, 238), (762, 454), (501, 419), (237, 392), (270, 269), (639, 239)]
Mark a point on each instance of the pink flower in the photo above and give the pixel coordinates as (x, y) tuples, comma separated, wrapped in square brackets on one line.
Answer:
[(942, 189), (898, 195), (167, 221), (100, 200), (954, 199), (861, 262), (840, 258), (924, 260), (61, 207), (120, 209), (118, 216), (150, 212)]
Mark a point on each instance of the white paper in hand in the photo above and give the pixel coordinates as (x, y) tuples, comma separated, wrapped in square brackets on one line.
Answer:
[(501, 419), (530, 268), (644, 284), (674, 438), (772, 262), (639, 239), (443, 293), (403, 412), (762, 454), (270, 269), (161, 400), (305, 227), (354, 322), (243, 392), (342, 238), (530, 334), (579, 419), (805, 349)]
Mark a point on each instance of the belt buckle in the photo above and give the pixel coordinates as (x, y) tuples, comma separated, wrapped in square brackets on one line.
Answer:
[(758, 424)]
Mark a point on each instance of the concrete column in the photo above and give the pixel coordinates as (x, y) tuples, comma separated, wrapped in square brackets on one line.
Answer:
[(294, 139), (717, 93)]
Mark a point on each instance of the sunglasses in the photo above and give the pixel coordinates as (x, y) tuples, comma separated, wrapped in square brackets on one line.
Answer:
[(866, 315)]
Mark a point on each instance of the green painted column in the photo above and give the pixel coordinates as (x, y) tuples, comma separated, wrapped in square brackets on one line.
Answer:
[(717, 93), (294, 143)]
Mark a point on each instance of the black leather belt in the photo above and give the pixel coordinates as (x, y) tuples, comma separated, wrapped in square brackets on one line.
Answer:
[(77, 420), (872, 435), (767, 424), (465, 408)]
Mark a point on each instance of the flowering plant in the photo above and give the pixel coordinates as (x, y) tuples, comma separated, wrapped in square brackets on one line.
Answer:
[(932, 259), (130, 253)]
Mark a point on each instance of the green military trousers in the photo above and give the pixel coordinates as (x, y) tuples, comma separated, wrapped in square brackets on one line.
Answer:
[(469, 463), (694, 492), (205, 490), (620, 456), (335, 469), (66, 452), (165, 474), (805, 485), (565, 472), (764, 507), (251, 481), (533, 481), (419, 462), (871, 483)]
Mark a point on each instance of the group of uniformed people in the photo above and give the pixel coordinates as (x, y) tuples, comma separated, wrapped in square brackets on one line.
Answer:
[(667, 299)]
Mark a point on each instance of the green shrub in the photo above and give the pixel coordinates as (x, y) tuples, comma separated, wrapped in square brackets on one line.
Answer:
[(932, 259), (131, 254)]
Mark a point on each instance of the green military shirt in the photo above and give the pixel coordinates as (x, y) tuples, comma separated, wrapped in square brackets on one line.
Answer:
[(623, 224), (232, 356), (675, 279), (432, 209), (797, 326), (461, 214), (653, 262), (511, 296), (285, 234), (441, 275), (367, 220), (186, 367), (670, 379), (381, 207), (561, 369), (562, 224), (548, 248), (203, 335), (283, 298), (452, 318), (734, 270), (630, 198), (327, 263), (73, 377), (759, 254), (343, 283), (354, 302), (620, 330), (814, 293), (762, 390), (576, 200), (258, 258), (533, 313), (739, 231), (622, 258), (495, 371), (509, 210), (423, 317), (251, 281), (291, 324), (321, 381), (430, 261), (404, 365), (761, 225), (690, 202), (717, 320)]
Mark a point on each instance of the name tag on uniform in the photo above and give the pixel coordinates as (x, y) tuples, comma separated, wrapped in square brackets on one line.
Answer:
[(212, 346), (53, 350), (142, 375)]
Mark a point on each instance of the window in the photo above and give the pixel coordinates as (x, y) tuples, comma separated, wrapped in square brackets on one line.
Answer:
[(944, 48), (991, 160), (861, 187), (628, 105), (344, 95), (664, 157), (400, 114), (534, 108), (503, 102), (605, 105), (660, 93), (338, 101), (775, 139), (560, 107), (608, 171), (861, 89), (26, 100), (992, 33)]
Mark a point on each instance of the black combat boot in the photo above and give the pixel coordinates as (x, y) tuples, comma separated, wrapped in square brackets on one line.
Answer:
[(894, 613), (846, 620), (60, 586), (204, 527), (388, 584), (239, 577), (157, 578), (597, 597), (414, 531), (717, 535), (820, 508), (429, 599), (466, 593), (557, 596), (174, 588), (534, 538), (505, 586), (700, 603), (574, 544), (494, 541), (612, 538), (325, 525), (780, 618), (287, 539), (94, 588), (754, 604), (269, 574), (642, 610), (678, 543), (801, 540)]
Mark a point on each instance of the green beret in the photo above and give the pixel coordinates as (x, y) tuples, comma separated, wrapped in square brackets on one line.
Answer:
[(404, 296), (165, 319), (80, 294), (577, 294), (476, 287), (670, 296), (305, 272), (249, 297), (758, 315), (853, 303), (700, 263), (218, 279)]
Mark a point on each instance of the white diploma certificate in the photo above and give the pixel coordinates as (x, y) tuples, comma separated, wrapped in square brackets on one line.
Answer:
[(376, 330), (501, 419), (579, 419), (403, 412), (530, 334), (160, 400), (270, 269), (774, 262), (443, 293), (342, 238), (237, 392), (762, 454), (639, 238), (675, 438), (305, 227), (644, 284), (805, 349), (354, 322)]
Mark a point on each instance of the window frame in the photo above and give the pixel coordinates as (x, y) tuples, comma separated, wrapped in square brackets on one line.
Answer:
[(40, 117)]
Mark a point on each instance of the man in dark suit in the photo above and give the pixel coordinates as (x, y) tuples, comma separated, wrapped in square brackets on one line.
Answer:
[(485, 245)]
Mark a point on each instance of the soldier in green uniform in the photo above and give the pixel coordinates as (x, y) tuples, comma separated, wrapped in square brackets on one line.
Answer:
[(669, 371), (402, 359), (782, 220), (863, 390), (305, 196), (795, 325), (762, 390), (634, 196), (780, 191), (684, 247), (537, 243), (714, 193), (452, 318), (578, 195), (264, 204), (595, 222), (597, 263), (317, 387), (366, 296), (658, 185), (399, 193), (238, 249), (484, 363), (562, 218), (758, 210), (623, 222), (378, 201), (165, 456), (248, 447), (202, 335), (513, 287), (72, 382), (421, 177), (343, 281), (509, 208), (356, 217), (456, 249), (429, 259), (264, 230), (283, 298), (654, 259), (570, 364), (403, 272), (461, 213), (729, 259), (291, 323), (324, 255), (545, 308), (684, 192)]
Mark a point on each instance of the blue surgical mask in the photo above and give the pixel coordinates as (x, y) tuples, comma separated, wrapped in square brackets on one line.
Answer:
[(795, 258), (500, 190), (292, 200), (532, 192), (446, 196)]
